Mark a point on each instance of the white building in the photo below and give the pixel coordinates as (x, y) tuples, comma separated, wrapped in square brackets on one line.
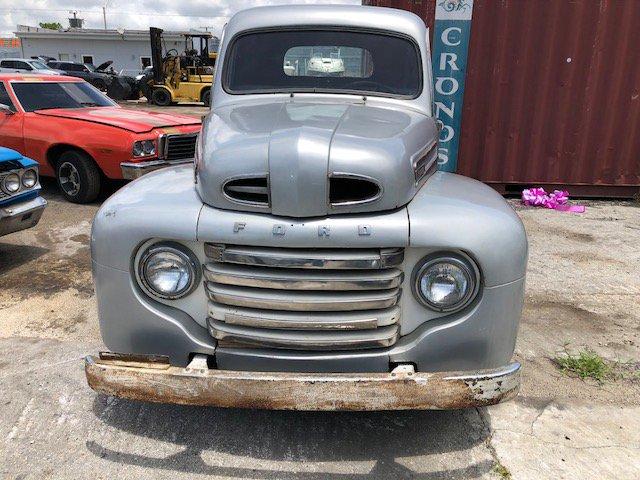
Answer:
[(129, 49)]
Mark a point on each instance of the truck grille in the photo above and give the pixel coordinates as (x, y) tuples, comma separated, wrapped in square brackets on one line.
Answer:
[(178, 147), (303, 299)]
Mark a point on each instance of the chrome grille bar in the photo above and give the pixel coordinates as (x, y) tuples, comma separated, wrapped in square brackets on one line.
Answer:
[(284, 320), (292, 279), (302, 301), (339, 259), (231, 335)]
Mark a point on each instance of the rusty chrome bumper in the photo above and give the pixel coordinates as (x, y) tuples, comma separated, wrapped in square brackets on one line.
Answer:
[(133, 170), (153, 379)]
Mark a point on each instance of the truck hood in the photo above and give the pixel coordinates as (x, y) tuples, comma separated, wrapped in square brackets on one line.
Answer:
[(137, 121), (303, 159)]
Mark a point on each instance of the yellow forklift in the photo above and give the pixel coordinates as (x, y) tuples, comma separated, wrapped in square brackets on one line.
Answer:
[(179, 77)]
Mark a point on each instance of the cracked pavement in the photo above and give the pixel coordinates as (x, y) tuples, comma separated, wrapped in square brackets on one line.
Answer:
[(582, 289)]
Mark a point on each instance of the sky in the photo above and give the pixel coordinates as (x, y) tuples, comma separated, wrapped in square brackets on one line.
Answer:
[(133, 14)]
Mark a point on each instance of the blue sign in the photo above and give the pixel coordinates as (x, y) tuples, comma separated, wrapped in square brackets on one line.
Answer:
[(451, 43)]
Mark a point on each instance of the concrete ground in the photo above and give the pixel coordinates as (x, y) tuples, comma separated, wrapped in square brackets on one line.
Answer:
[(583, 288)]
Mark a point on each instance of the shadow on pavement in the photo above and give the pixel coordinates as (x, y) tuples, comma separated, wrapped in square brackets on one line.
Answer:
[(13, 256), (258, 435)]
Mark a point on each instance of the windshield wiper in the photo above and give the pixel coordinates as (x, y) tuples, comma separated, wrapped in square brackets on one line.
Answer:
[(89, 104)]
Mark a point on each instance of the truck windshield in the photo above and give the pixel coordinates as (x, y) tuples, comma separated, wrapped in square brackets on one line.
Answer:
[(323, 61), (46, 95)]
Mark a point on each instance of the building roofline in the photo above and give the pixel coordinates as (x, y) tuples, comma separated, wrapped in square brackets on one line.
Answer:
[(25, 31)]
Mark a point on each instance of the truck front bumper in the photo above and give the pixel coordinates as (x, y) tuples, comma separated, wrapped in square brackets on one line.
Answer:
[(21, 216), (133, 170), (153, 379)]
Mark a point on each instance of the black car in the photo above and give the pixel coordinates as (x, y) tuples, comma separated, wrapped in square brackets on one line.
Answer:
[(95, 76)]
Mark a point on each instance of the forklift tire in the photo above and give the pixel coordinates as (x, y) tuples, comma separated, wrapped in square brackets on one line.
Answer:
[(161, 97), (206, 98)]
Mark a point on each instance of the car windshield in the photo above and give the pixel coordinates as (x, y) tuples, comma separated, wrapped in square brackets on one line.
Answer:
[(40, 66), (90, 67), (326, 61), (46, 95)]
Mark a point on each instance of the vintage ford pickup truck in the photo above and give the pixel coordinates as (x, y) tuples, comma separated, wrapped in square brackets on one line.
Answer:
[(314, 258)]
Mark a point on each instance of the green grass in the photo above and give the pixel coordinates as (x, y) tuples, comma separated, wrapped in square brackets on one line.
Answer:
[(502, 471), (584, 364)]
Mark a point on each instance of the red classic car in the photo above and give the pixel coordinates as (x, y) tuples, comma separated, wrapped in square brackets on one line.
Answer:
[(80, 136)]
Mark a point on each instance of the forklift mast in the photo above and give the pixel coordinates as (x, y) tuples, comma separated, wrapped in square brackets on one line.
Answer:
[(156, 54)]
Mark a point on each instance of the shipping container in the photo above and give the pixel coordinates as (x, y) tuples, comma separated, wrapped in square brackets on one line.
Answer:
[(552, 94)]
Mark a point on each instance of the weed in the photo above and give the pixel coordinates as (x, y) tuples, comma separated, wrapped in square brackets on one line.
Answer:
[(502, 471), (584, 364)]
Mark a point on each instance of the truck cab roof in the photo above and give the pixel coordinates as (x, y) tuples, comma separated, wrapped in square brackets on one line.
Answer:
[(329, 18)]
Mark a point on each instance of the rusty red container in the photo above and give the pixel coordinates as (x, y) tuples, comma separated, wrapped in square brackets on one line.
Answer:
[(552, 94)]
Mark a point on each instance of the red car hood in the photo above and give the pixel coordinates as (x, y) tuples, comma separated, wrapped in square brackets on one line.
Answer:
[(138, 121)]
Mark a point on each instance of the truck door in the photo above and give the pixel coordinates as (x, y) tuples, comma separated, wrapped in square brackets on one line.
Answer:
[(11, 122)]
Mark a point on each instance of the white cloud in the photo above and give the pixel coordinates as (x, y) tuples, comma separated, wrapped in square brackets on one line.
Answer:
[(167, 14)]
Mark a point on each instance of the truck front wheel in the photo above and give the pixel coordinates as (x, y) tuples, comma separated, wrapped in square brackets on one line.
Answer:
[(78, 177), (161, 97)]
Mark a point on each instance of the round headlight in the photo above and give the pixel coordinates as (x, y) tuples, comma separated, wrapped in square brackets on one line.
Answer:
[(29, 178), (168, 270), (138, 149), (11, 183), (148, 147), (445, 282)]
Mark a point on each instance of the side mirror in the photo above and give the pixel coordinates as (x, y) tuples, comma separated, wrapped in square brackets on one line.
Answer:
[(6, 109)]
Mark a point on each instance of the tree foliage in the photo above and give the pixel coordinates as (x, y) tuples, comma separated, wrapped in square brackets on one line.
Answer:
[(51, 25)]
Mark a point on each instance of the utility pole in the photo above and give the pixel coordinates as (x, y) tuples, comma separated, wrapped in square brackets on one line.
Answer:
[(104, 13)]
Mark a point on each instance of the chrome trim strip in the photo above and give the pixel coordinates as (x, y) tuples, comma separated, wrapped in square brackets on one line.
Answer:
[(423, 160), (302, 301), (278, 278), (229, 335), (341, 259), (341, 321)]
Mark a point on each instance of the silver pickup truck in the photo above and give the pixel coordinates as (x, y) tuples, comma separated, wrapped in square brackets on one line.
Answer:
[(314, 258)]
